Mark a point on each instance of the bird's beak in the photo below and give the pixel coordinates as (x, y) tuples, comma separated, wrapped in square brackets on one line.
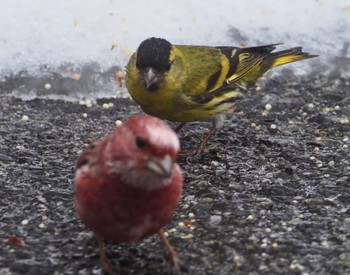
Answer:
[(150, 77), (161, 166)]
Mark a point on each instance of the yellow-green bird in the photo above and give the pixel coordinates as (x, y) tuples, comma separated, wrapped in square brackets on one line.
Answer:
[(184, 83)]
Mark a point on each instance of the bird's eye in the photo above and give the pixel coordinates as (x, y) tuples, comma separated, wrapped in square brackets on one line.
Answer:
[(140, 142)]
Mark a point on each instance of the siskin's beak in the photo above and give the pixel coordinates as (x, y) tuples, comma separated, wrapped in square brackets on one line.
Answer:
[(150, 78), (161, 166)]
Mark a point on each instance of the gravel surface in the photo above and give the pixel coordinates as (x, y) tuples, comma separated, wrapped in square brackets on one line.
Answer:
[(270, 195)]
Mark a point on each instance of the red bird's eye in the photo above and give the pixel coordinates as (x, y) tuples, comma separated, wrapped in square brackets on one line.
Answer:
[(140, 142)]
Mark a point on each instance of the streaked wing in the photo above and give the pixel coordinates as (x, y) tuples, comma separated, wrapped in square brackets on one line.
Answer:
[(226, 71), (244, 60)]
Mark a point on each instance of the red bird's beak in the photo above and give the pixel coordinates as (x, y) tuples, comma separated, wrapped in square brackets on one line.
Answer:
[(161, 166), (150, 77)]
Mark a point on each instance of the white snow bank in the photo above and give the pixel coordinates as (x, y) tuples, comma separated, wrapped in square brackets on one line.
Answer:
[(40, 37)]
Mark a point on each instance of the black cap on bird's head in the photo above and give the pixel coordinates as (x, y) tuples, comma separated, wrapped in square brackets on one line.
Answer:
[(152, 61)]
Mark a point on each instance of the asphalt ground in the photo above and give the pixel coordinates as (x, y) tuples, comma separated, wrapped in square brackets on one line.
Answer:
[(270, 194)]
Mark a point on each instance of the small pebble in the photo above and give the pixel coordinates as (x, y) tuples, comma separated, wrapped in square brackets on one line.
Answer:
[(25, 118), (191, 215), (215, 219), (311, 105), (47, 86), (44, 217), (85, 115), (337, 108), (118, 123), (41, 225), (273, 127), (24, 222)]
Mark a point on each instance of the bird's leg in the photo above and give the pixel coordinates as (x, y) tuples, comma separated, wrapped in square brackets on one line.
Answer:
[(202, 144), (171, 254), (179, 127), (106, 264)]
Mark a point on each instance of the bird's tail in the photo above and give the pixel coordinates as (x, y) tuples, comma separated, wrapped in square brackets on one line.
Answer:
[(288, 56), (269, 59)]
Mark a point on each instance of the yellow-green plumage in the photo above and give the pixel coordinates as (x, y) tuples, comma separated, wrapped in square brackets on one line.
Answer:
[(187, 77), (192, 83), (203, 82)]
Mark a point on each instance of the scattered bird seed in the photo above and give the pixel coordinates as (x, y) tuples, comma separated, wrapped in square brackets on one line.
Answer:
[(25, 118), (268, 107)]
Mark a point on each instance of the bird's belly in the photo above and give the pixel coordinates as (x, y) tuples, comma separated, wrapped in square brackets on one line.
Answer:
[(121, 228), (177, 110)]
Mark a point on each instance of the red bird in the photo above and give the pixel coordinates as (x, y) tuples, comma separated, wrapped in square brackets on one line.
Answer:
[(128, 184)]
